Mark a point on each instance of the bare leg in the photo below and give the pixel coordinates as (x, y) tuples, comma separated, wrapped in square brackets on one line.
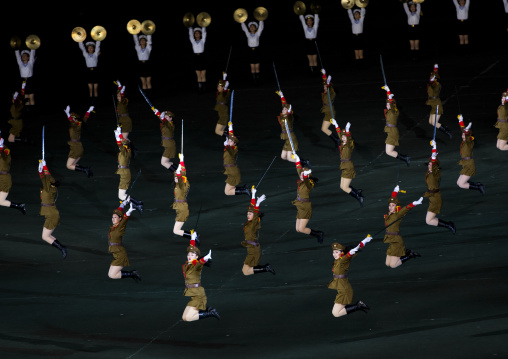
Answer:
[(432, 118), (431, 219), (219, 129), (325, 127), (229, 190), (288, 156), (338, 310), (143, 83), (392, 261), (462, 182), (502, 145), (125, 135), (246, 270), (417, 44), (122, 195), (90, 89), (115, 272), (313, 60), (190, 314), (177, 229), (12, 138), (301, 226), (3, 199), (96, 90), (344, 184), (71, 163), (166, 162), (47, 235), (390, 151), (149, 82)]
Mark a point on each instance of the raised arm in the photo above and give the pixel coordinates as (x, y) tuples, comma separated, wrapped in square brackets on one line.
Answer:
[(362, 244)]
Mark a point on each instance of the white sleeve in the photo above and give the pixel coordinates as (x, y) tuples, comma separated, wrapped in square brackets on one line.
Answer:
[(136, 41), (456, 4), (97, 47), (363, 11), (418, 8), (350, 13), (505, 2), (32, 56), (191, 34), (316, 22), (406, 8), (18, 57), (262, 26), (203, 32), (244, 28), (82, 47), (302, 20)]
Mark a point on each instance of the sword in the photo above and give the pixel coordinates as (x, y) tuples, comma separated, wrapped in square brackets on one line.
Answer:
[(328, 92), (146, 98), (435, 122), (289, 135), (270, 165), (181, 141), (229, 56), (231, 106), (276, 77), (129, 190), (382, 68), (43, 152), (116, 111)]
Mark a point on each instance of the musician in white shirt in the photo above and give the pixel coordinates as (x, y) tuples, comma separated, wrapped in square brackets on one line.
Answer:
[(197, 37), (357, 18), (253, 33), (310, 24), (91, 54), (26, 60), (143, 46), (413, 12), (462, 7)]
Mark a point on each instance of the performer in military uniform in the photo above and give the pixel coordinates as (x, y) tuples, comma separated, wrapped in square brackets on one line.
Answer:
[(124, 159), (222, 96), (251, 242), (502, 123), (253, 34), (116, 248), (304, 186), (467, 160), (340, 282), (49, 194), (16, 110), (328, 111), (310, 24), (231, 169), (180, 205), (76, 147), (196, 308), (124, 118), (287, 116), (143, 47), (397, 252), (6, 180), (433, 177), (197, 37), (91, 54), (433, 90), (346, 163), (392, 132), (167, 138)]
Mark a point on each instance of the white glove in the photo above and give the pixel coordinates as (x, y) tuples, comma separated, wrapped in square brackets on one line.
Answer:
[(224, 76), (416, 203), (41, 167), (208, 256), (354, 250), (118, 132), (306, 173), (433, 144), (253, 192), (334, 122), (460, 118), (122, 90), (387, 89), (281, 94), (290, 108), (432, 78), (226, 86), (230, 126), (297, 158), (367, 239), (396, 189), (130, 210), (180, 155), (43, 162), (1, 142), (469, 126), (118, 84), (348, 125), (15, 96), (68, 111), (323, 71), (226, 142), (436, 66), (260, 199), (194, 236), (329, 79), (178, 169)]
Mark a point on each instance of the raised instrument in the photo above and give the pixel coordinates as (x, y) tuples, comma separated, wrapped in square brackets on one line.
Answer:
[(134, 27), (347, 4), (33, 42), (260, 13), (188, 19), (203, 19), (299, 8), (98, 33), (148, 27), (78, 34), (240, 15)]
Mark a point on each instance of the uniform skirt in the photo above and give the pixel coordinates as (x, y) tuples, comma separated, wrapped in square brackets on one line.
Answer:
[(234, 176), (503, 130), (120, 258), (51, 215), (197, 298), (169, 148), (304, 209), (358, 41), (222, 111), (468, 167), (144, 68), (199, 61), (413, 32), (16, 126), (182, 211), (435, 203), (344, 292), (92, 75), (348, 170), (253, 255), (254, 55), (125, 178), (310, 47), (392, 136), (5, 183), (287, 143), (433, 104), (76, 149), (126, 123), (396, 246)]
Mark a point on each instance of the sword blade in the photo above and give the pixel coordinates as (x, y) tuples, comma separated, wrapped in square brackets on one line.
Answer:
[(289, 135), (181, 141), (43, 136), (263, 176), (146, 98), (231, 107), (276, 77), (435, 122), (382, 68)]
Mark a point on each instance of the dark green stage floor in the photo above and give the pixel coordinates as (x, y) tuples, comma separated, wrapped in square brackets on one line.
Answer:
[(450, 303)]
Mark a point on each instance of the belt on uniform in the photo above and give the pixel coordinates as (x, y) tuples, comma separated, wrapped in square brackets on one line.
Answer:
[(167, 138), (221, 103), (345, 160), (230, 165), (75, 140), (466, 158), (302, 199), (180, 200), (433, 190), (340, 276), (114, 244), (47, 205), (390, 125), (4, 172), (433, 98), (123, 166), (253, 48), (284, 131), (502, 120), (252, 243), (393, 233), (123, 114), (192, 285)]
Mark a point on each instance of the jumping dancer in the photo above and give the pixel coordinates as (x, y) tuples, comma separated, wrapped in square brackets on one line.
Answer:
[(124, 118), (433, 90), (392, 132), (91, 54), (26, 61), (357, 17), (462, 8), (16, 111), (197, 37), (413, 12), (502, 123), (76, 147), (287, 116), (180, 205), (6, 180), (167, 138), (328, 96), (467, 160), (143, 46), (222, 97), (231, 169)]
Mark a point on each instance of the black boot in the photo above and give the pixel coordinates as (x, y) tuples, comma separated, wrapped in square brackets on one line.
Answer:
[(335, 139), (254, 78), (266, 268), (446, 130), (318, 234), (85, 170), (173, 167), (305, 163), (404, 158), (448, 225), (242, 190), (137, 204), (477, 186), (61, 247), (350, 308), (409, 254), (209, 312), (357, 194), (19, 206), (131, 274)]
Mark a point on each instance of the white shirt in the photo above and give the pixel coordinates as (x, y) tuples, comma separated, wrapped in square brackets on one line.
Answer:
[(310, 32), (26, 70), (198, 46), (143, 54), (462, 11), (413, 18), (357, 25), (91, 59), (253, 39)]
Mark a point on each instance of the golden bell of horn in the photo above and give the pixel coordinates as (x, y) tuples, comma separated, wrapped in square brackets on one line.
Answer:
[(260, 13), (134, 27), (188, 19), (148, 27), (15, 42), (240, 15), (98, 33), (33, 42), (203, 19), (347, 4), (299, 8)]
